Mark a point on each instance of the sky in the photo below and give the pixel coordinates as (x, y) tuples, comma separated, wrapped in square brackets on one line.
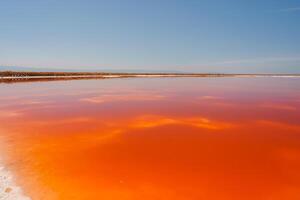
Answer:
[(217, 36)]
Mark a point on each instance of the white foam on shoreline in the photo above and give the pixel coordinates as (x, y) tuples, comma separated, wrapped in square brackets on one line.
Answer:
[(8, 188)]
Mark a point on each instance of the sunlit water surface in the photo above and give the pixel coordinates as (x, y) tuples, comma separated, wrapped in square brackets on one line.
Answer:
[(155, 138)]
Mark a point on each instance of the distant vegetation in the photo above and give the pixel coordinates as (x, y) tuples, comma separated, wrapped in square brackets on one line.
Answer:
[(26, 73), (18, 75), (32, 74)]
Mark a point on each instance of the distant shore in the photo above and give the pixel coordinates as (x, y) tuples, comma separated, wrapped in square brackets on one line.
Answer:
[(26, 75)]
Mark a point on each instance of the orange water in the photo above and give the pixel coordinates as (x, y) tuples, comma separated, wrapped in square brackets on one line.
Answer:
[(158, 138)]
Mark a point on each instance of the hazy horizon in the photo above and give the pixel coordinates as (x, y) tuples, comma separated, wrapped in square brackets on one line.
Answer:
[(186, 36), (129, 70)]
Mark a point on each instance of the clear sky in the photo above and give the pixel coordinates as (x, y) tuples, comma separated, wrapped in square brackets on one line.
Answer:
[(186, 35)]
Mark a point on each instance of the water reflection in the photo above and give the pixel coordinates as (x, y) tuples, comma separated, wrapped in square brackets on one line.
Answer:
[(182, 138)]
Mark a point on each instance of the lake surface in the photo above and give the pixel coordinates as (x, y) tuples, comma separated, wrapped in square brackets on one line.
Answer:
[(151, 139)]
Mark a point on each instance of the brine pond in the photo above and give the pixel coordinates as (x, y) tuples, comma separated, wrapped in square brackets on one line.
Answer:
[(151, 138)]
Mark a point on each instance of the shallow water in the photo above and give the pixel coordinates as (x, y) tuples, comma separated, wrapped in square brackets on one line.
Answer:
[(153, 138)]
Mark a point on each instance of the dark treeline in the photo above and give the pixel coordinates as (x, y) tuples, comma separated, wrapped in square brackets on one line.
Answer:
[(26, 73), (20, 74)]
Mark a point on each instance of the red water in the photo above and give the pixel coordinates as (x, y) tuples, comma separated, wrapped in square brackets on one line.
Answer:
[(158, 138)]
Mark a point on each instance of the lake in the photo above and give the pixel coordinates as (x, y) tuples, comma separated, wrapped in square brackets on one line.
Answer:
[(151, 139)]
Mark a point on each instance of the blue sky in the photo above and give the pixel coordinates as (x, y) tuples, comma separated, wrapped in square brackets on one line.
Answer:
[(187, 35)]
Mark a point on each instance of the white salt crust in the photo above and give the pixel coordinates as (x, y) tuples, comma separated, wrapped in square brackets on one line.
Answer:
[(8, 189)]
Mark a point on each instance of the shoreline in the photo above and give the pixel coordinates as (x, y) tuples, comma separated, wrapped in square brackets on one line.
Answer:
[(8, 188), (141, 76), (22, 77)]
